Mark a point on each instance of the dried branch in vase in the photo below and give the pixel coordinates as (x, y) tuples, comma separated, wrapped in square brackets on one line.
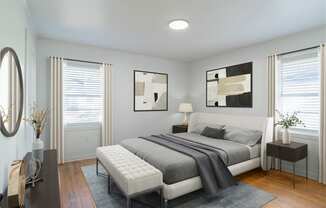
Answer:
[(38, 120)]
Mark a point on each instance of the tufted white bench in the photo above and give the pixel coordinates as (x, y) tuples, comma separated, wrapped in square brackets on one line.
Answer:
[(130, 173)]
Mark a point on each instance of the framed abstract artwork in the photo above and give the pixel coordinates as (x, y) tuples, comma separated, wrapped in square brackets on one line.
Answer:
[(229, 86), (150, 91)]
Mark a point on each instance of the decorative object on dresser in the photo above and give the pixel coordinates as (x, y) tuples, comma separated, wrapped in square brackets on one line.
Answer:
[(11, 92), (16, 183), (38, 120), (292, 152), (185, 108), (46, 193), (229, 86), (150, 91), (179, 129), (286, 121), (34, 173)]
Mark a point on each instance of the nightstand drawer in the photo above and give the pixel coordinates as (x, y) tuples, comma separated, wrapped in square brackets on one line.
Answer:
[(179, 129), (293, 155), (290, 152)]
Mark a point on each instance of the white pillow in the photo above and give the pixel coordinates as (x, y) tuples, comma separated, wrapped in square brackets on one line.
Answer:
[(243, 136), (199, 127)]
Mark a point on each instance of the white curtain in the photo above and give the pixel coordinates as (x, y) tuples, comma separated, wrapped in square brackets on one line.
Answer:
[(322, 132), (56, 130), (272, 93), (271, 85), (107, 114)]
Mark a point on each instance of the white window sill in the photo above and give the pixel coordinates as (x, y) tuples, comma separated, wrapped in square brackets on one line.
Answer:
[(73, 126), (304, 134), (300, 133)]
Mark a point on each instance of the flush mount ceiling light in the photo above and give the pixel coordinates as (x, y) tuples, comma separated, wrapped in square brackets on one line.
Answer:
[(179, 24)]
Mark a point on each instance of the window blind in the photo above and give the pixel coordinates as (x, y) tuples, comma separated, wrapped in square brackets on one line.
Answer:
[(299, 86), (83, 93)]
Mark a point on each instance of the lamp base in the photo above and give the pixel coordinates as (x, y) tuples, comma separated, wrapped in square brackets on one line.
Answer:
[(185, 120)]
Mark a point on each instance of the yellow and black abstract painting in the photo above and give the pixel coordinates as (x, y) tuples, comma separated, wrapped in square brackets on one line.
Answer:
[(229, 86)]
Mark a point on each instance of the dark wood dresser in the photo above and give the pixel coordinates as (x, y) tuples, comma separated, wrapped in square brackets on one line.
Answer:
[(45, 193)]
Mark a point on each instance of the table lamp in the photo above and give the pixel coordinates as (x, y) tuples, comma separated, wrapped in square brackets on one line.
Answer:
[(185, 108)]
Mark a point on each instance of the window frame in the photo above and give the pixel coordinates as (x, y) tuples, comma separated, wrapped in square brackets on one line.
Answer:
[(87, 66), (299, 130)]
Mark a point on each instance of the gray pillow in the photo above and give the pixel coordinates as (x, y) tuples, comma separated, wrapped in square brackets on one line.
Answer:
[(213, 133), (199, 127), (242, 136)]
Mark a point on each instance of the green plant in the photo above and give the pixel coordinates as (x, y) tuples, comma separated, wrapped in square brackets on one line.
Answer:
[(288, 120)]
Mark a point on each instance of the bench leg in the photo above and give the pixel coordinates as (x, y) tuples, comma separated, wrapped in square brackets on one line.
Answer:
[(161, 198), (109, 184), (96, 166), (128, 202), (165, 203)]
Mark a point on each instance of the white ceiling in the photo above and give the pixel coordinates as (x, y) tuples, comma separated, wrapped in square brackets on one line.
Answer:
[(142, 25)]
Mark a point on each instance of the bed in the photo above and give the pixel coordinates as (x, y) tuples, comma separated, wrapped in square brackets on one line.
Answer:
[(180, 172)]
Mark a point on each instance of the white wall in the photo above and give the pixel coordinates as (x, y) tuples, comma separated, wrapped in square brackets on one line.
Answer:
[(87, 136), (16, 32), (258, 55), (126, 122)]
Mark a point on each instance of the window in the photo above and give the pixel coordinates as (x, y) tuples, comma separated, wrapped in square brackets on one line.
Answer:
[(299, 86), (83, 93)]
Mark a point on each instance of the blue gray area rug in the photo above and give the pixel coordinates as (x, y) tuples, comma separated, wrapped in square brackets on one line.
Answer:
[(240, 196)]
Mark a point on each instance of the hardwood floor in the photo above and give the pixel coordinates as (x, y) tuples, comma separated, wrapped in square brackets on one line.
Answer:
[(74, 192), (307, 194)]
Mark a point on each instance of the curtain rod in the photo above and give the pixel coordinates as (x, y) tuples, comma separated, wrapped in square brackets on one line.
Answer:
[(313, 47), (83, 61)]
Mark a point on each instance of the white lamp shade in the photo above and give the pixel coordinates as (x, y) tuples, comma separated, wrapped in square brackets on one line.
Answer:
[(185, 108)]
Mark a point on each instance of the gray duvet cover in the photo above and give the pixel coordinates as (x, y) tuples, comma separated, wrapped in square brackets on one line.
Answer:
[(177, 166)]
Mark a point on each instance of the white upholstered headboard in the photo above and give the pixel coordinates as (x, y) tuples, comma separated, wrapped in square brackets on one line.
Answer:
[(264, 124)]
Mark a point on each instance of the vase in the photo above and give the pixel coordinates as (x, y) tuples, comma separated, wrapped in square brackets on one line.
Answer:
[(37, 147), (285, 136)]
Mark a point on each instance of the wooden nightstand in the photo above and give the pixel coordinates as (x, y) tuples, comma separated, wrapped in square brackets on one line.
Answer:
[(179, 129), (290, 152)]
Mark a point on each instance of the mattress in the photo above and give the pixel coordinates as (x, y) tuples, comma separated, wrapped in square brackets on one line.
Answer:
[(254, 151), (176, 166)]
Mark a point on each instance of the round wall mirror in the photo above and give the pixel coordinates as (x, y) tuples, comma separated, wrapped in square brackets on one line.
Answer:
[(11, 92)]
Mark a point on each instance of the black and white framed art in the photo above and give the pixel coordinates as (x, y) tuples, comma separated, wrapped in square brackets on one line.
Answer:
[(150, 91), (229, 86)]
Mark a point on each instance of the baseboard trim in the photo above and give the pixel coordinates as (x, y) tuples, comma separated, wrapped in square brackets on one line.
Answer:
[(89, 157)]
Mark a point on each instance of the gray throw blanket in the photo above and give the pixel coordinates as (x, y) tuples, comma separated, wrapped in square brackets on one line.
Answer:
[(214, 174)]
